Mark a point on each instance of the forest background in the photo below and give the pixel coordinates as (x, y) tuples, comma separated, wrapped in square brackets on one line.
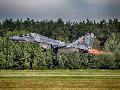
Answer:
[(27, 55)]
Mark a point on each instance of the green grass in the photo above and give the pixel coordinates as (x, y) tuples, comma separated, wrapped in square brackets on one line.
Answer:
[(55, 79), (60, 72)]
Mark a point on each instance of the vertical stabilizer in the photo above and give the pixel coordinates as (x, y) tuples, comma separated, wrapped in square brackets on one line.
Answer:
[(84, 42)]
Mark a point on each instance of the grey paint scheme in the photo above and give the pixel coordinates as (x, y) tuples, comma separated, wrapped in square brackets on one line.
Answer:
[(84, 43)]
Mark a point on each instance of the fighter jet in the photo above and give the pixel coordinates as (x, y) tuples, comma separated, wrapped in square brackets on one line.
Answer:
[(83, 44)]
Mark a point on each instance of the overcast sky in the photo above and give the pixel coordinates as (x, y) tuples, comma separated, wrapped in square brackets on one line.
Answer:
[(73, 10)]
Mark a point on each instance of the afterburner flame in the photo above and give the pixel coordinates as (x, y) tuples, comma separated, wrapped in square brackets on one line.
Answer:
[(96, 52)]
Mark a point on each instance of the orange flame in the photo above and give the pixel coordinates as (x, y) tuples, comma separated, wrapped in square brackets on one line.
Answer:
[(96, 52)]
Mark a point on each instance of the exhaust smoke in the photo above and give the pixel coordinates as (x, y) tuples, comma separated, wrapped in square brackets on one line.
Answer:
[(97, 52)]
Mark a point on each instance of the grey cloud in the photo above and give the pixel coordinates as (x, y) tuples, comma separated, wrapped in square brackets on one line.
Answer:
[(66, 9), (105, 2)]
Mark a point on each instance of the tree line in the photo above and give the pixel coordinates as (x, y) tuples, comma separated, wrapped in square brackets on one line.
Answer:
[(28, 55)]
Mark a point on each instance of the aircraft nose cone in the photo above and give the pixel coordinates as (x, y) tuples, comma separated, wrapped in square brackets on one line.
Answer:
[(10, 37)]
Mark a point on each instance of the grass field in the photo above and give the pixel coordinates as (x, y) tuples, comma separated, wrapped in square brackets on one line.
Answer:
[(59, 79)]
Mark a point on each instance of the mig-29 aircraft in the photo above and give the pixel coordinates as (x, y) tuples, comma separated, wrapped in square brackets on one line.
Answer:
[(83, 44)]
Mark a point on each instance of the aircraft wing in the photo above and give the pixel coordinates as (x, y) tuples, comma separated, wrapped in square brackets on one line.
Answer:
[(45, 41)]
